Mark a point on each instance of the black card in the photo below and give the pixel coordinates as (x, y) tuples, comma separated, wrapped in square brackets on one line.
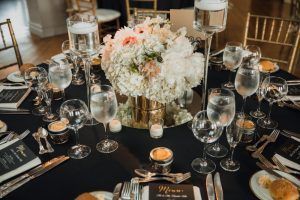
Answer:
[(12, 95), (290, 150), (170, 192), (14, 156)]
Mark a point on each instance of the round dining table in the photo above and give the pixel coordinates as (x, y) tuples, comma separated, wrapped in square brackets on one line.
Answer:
[(101, 172)]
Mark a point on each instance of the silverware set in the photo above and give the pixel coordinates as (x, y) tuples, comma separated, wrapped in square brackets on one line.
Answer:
[(267, 138), (214, 187), (14, 184), (42, 134), (10, 135)]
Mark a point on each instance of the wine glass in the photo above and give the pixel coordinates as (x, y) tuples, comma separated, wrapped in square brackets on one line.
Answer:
[(274, 89), (72, 57), (33, 79), (233, 134), (204, 12), (186, 99), (84, 41), (60, 75), (254, 52), (207, 132), (247, 80), (74, 113), (48, 96), (221, 110), (259, 93), (104, 109), (232, 58)]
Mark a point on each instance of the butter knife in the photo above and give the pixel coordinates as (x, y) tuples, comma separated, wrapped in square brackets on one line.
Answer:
[(218, 186), (290, 136), (210, 187), (37, 173), (297, 135), (274, 173), (117, 191)]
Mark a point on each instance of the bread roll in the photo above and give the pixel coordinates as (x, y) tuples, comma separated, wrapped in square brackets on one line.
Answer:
[(267, 66), (282, 189), (86, 196)]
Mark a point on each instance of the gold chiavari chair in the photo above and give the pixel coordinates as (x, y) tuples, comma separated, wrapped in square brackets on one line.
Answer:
[(133, 5), (6, 69), (283, 33), (104, 16), (71, 7)]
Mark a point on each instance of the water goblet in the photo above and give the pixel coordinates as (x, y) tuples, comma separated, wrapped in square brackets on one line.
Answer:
[(232, 58), (32, 77), (74, 113), (104, 109), (220, 110), (254, 52), (48, 96), (73, 58), (207, 132), (273, 89), (233, 134), (247, 80)]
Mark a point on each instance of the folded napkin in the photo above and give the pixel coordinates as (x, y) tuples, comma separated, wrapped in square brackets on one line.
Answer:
[(145, 193), (287, 162)]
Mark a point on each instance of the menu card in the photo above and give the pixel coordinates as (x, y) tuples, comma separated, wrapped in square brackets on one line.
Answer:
[(12, 97), (290, 150), (171, 192), (15, 158)]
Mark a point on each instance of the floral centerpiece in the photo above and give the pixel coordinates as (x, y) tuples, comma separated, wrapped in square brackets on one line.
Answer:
[(152, 61)]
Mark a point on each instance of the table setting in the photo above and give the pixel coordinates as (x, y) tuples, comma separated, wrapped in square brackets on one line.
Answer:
[(145, 115)]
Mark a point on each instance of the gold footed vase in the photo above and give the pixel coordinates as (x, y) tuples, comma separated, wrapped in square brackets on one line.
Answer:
[(144, 109)]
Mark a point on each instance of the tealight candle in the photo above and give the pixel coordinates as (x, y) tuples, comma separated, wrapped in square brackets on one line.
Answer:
[(156, 131), (115, 126)]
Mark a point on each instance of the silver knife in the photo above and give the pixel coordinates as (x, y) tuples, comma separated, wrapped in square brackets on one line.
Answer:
[(14, 109), (290, 136), (270, 171), (218, 186), (297, 135), (210, 187), (117, 191), (37, 173)]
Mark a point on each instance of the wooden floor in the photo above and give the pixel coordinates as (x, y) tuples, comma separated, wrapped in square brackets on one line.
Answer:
[(36, 50)]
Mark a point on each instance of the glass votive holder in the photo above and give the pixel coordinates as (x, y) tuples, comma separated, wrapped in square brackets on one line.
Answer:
[(156, 127), (115, 126), (58, 132), (161, 159), (247, 127)]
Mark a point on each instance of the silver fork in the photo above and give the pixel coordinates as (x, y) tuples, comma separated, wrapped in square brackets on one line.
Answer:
[(135, 189), (125, 194), (265, 161), (272, 138), (254, 146), (282, 167)]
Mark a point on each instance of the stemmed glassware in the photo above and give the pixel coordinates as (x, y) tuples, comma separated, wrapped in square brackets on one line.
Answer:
[(74, 113), (104, 109), (48, 96), (247, 80), (84, 41), (33, 77), (207, 132), (273, 89), (259, 93), (220, 110), (70, 55), (233, 134), (204, 10), (232, 58), (186, 99), (254, 52)]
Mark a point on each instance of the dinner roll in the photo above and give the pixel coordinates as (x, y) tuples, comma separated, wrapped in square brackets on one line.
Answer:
[(86, 196), (282, 189), (267, 66)]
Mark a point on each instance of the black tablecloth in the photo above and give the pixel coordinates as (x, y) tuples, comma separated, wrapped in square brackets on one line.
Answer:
[(104, 171)]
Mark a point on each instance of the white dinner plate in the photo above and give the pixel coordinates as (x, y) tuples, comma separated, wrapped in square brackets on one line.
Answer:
[(276, 68), (4, 127), (15, 77), (261, 192), (102, 195)]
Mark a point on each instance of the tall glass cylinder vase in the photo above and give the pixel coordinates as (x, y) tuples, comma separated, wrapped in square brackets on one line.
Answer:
[(84, 41), (209, 17)]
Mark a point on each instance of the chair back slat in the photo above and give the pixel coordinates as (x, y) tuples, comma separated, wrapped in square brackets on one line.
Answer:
[(132, 8), (275, 31), (87, 6)]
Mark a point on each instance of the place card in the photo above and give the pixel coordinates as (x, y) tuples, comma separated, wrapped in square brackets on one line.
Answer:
[(12, 97), (290, 150), (170, 191)]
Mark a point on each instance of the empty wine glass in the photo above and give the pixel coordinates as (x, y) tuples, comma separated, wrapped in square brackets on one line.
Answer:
[(254, 52), (74, 113), (33, 77), (274, 89), (221, 110), (48, 96), (232, 58), (259, 93), (207, 132), (73, 58), (247, 80), (60, 75), (104, 109), (233, 134)]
